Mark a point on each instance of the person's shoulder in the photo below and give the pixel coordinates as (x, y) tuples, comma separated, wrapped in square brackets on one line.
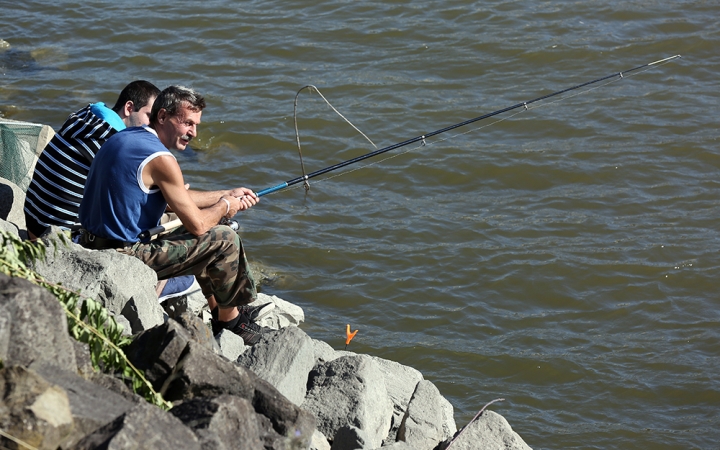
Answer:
[(140, 132), (163, 162), (108, 115)]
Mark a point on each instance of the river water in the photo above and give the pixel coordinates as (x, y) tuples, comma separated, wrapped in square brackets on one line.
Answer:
[(565, 258)]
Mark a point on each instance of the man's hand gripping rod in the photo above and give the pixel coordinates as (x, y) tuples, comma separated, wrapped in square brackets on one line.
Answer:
[(171, 225)]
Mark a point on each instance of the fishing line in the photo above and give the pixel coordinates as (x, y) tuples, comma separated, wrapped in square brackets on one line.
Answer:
[(526, 106), (422, 138), (310, 87)]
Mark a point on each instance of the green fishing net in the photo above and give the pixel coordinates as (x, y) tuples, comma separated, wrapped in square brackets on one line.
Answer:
[(18, 141)]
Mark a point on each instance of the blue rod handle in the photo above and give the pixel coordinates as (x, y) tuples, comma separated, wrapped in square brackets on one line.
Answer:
[(272, 189)]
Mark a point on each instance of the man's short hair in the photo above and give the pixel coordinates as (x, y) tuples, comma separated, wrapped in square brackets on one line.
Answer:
[(140, 92), (173, 98)]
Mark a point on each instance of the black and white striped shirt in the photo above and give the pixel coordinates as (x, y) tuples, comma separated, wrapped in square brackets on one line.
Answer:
[(58, 183)]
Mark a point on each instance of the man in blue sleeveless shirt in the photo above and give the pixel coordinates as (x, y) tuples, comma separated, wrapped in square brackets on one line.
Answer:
[(132, 180)]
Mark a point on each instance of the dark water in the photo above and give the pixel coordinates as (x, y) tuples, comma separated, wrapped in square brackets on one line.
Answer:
[(565, 258)]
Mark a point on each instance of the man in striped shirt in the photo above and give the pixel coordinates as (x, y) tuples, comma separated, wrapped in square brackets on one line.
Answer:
[(58, 183)]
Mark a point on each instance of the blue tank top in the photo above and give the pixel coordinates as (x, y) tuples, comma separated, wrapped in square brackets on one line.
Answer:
[(116, 204)]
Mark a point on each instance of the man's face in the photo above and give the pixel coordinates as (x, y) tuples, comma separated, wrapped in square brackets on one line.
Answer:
[(176, 132), (141, 116)]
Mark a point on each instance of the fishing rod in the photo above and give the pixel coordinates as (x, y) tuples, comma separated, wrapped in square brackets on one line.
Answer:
[(176, 223), (422, 138)]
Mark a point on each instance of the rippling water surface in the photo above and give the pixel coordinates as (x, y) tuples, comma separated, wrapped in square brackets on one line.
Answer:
[(564, 258)]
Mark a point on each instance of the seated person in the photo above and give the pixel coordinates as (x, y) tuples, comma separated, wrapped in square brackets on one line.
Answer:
[(58, 183), (134, 177)]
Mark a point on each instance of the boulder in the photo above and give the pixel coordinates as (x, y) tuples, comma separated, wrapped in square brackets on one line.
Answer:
[(284, 359), (400, 382), (12, 228), (202, 373), (350, 438), (115, 385), (123, 284), (285, 424), (92, 406), (490, 431), (182, 364), (350, 390), (422, 427), (12, 199), (144, 426), (33, 326), (199, 331), (158, 350), (221, 423), (32, 409), (186, 369), (319, 441), (83, 360), (324, 352), (231, 345), (193, 302), (283, 315)]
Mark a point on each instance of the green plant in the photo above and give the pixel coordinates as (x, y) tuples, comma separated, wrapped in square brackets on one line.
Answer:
[(88, 321)]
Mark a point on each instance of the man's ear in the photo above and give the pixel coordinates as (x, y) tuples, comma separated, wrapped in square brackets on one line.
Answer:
[(162, 116), (128, 108)]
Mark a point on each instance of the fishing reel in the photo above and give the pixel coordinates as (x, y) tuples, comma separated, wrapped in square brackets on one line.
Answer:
[(232, 223)]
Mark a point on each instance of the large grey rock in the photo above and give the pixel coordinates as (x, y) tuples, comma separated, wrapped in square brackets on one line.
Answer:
[(144, 426), (231, 345), (284, 359), (422, 425), (12, 199), (32, 409), (33, 326), (325, 353), (92, 406), (186, 369), (123, 284), (400, 382), (199, 332), (83, 360), (115, 385), (448, 417), (286, 425), (350, 391), (203, 373), (158, 350), (221, 423), (284, 314), (12, 229), (350, 438), (193, 302), (491, 432), (319, 441)]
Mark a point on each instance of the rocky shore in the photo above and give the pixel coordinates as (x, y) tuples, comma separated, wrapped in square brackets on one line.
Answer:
[(289, 391)]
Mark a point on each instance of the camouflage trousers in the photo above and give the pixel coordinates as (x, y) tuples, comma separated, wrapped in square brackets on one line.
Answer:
[(216, 258)]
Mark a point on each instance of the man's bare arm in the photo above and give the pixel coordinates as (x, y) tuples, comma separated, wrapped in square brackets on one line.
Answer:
[(164, 172), (204, 199)]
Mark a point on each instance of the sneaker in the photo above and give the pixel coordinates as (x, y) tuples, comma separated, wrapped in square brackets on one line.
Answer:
[(242, 326), (176, 287), (254, 313)]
